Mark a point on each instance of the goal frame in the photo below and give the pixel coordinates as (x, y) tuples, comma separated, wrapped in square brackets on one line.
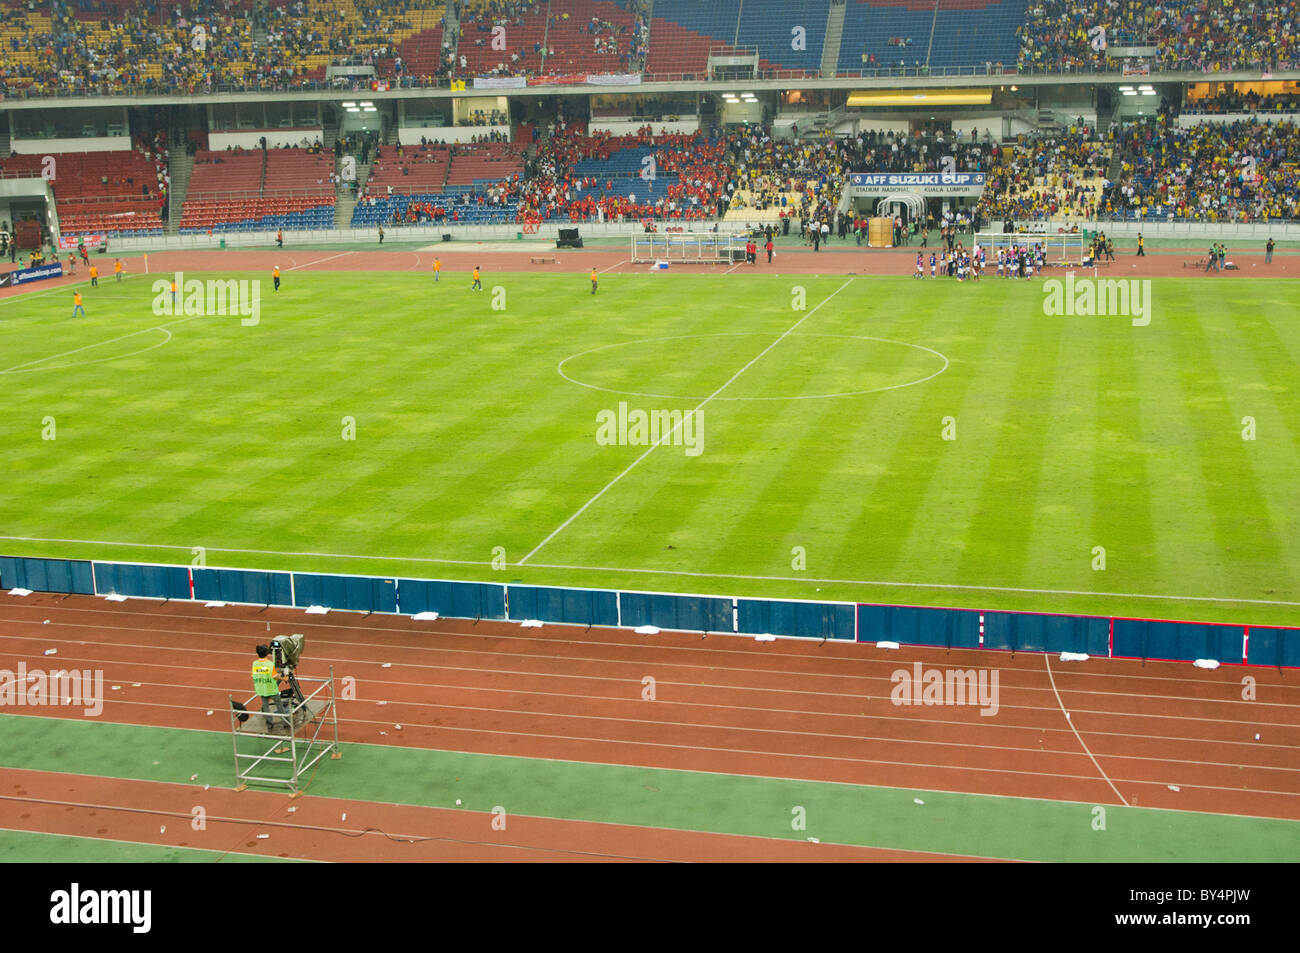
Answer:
[(691, 248), (1061, 248)]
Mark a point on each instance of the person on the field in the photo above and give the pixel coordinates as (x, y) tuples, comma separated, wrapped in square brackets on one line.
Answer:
[(266, 683), (275, 276), (76, 304), (437, 268), (1141, 247), (593, 280), (1268, 252), (768, 248), (478, 282), (94, 276), (117, 268)]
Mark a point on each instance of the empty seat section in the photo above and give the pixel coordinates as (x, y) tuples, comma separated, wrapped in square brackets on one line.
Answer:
[(772, 30), (976, 32), (682, 31), (114, 192), (876, 34)]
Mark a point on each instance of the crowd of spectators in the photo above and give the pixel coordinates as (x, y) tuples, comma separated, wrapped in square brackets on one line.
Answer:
[(200, 45), (1247, 102), (1039, 178), (195, 46), (1202, 35), (554, 191), (1244, 171)]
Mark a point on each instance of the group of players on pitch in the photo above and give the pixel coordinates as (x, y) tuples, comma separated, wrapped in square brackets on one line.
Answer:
[(1018, 261)]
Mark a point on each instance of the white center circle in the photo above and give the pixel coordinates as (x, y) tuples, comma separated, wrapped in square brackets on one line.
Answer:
[(685, 337)]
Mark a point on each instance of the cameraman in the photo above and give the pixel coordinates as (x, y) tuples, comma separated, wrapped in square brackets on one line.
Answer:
[(266, 683)]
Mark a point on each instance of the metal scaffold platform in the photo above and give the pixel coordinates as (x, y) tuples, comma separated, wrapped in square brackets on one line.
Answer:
[(279, 749)]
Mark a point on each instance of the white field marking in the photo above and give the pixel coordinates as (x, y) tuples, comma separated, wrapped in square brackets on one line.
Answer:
[(23, 296), (733, 267), (612, 267), (318, 261), (122, 337), (1048, 661), (486, 564), (559, 368), (102, 360), (677, 426), (766, 755), (339, 624), (253, 552)]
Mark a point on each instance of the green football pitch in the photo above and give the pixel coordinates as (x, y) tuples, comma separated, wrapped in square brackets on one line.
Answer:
[(894, 441)]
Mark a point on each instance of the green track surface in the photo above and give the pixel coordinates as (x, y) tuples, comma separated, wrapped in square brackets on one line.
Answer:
[(1072, 433), (27, 847), (1011, 828)]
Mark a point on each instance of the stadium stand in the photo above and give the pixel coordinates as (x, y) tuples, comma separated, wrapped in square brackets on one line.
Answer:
[(1048, 178), (466, 183), (882, 35), (1211, 172), (288, 189), (682, 31), (1188, 34), (585, 177), (120, 192), (106, 45)]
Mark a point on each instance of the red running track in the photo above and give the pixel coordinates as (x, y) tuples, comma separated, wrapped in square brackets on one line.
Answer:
[(788, 708)]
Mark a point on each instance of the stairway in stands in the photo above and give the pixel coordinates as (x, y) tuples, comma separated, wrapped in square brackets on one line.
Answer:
[(834, 33), (179, 167), (345, 201)]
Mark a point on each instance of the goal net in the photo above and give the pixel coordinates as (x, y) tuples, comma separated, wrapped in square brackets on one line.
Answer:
[(687, 247), (1059, 248)]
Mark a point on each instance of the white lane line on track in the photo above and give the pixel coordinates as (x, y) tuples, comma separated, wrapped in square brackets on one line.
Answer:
[(1047, 659)]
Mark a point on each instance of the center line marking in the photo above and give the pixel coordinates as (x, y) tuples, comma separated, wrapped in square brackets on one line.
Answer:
[(700, 406)]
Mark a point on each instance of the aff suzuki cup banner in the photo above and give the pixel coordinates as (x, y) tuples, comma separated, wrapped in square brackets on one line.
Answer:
[(962, 184)]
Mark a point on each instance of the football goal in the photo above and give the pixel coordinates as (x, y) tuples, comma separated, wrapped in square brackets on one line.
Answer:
[(1060, 249), (687, 247)]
